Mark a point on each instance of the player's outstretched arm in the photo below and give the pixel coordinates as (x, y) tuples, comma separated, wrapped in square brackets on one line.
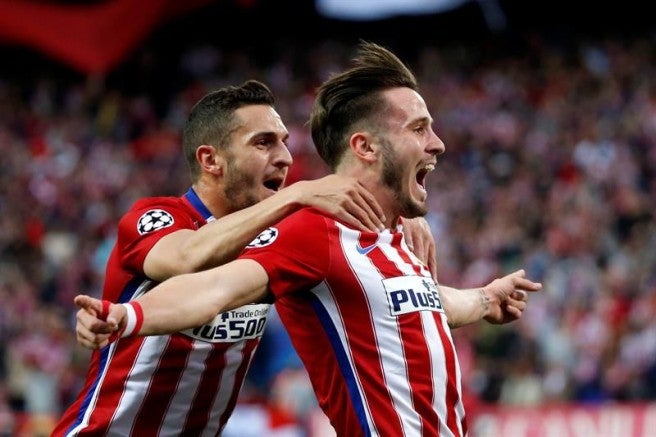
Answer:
[(220, 241), (501, 301), (170, 307)]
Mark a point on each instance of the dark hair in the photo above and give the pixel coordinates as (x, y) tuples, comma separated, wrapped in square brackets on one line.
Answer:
[(212, 119), (353, 96)]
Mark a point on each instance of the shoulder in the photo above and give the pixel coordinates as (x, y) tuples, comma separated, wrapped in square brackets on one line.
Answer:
[(154, 213), (173, 206), (157, 202), (306, 217), (295, 230)]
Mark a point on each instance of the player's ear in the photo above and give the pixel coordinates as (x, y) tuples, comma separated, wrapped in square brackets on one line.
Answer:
[(363, 146), (210, 160)]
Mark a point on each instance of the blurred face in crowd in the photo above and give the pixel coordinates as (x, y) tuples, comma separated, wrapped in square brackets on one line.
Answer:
[(257, 160), (409, 150)]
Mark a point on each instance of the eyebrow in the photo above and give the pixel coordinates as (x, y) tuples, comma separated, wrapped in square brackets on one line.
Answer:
[(269, 135), (421, 120)]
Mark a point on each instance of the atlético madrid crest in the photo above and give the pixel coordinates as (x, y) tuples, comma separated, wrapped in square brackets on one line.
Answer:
[(154, 220), (265, 238)]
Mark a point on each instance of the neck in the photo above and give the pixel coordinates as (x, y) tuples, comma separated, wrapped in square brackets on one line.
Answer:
[(208, 195), (381, 192)]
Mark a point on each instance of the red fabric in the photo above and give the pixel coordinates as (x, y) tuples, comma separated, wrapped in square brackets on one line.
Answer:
[(90, 38)]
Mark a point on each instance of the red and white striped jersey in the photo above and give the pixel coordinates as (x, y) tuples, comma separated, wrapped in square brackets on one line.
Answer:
[(181, 384), (366, 318)]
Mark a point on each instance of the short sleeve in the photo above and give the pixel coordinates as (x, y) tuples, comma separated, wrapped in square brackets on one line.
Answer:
[(145, 224)]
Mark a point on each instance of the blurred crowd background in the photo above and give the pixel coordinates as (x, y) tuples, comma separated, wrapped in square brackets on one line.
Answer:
[(550, 165)]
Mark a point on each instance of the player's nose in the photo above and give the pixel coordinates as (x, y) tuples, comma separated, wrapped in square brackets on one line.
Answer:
[(282, 156)]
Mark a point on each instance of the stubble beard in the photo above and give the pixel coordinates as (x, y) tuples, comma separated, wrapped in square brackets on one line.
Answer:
[(240, 188), (393, 179)]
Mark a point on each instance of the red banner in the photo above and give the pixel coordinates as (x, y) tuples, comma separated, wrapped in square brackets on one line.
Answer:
[(92, 38), (607, 420)]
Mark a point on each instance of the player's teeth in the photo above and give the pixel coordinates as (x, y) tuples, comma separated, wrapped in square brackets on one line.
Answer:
[(430, 167)]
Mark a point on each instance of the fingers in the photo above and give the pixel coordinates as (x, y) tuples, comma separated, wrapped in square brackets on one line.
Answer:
[(432, 261), (519, 304), (359, 209), (519, 281), (519, 295), (360, 217), (527, 285), (86, 319), (92, 341), (88, 303), (115, 317), (424, 248), (370, 205), (512, 313), (512, 291), (420, 241), (345, 198), (92, 333), (515, 305), (417, 244), (357, 220)]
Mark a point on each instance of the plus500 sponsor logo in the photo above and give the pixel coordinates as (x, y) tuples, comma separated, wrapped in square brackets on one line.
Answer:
[(408, 294), (243, 323)]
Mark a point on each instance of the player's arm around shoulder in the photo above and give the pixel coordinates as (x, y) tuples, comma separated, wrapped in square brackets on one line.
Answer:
[(183, 301), (211, 245), (176, 253), (220, 241), (190, 300)]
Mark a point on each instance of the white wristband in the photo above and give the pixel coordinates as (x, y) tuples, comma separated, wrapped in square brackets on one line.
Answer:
[(134, 319)]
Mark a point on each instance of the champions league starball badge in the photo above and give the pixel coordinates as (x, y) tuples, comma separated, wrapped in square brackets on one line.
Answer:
[(154, 220), (265, 238)]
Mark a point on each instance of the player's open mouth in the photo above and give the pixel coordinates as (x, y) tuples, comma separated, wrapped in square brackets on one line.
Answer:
[(421, 175), (274, 184)]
